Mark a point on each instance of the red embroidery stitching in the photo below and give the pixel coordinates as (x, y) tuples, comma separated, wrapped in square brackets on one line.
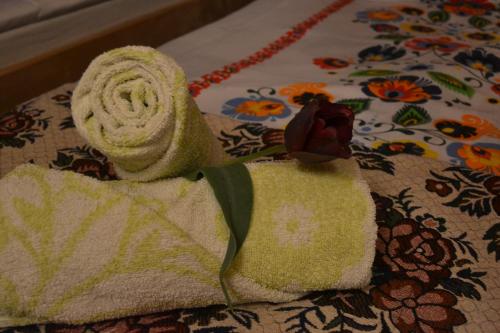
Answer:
[(287, 39)]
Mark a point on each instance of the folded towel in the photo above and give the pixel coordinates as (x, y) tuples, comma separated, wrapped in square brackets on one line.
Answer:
[(133, 105), (74, 249)]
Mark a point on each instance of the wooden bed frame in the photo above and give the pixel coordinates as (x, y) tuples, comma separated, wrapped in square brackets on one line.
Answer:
[(27, 79)]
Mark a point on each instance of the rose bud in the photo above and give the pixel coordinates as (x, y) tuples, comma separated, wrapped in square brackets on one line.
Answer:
[(320, 132)]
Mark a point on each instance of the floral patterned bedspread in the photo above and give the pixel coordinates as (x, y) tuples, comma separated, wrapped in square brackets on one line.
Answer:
[(422, 76), (423, 80), (438, 248)]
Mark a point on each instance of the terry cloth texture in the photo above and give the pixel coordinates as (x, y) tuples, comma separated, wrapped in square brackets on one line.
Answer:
[(74, 249), (459, 210), (133, 105)]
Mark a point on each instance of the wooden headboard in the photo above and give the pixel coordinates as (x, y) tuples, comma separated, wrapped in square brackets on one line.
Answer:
[(27, 79)]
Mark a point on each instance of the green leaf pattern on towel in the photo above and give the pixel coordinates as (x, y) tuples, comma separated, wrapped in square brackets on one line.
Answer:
[(75, 238), (139, 240)]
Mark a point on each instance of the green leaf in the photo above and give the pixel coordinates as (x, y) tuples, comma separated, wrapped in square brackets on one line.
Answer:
[(479, 22), (232, 186), (357, 105), (452, 83), (374, 72), (439, 16), (410, 115)]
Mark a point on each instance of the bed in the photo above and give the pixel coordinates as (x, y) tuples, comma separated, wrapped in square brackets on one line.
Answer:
[(423, 80)]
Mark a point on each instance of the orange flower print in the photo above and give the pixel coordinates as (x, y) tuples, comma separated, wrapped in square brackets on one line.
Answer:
[(330, 63), (481, 158), (441, 44), (379, 15), (478, 156), (383, 15), (407, 89), (300, 94), (468, 7), (262, 108), (483, 126), (470, 128), (417, 148), (417, 28), (255, 109)]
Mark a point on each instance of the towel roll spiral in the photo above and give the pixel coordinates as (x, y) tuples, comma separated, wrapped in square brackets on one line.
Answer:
[(133, 105)]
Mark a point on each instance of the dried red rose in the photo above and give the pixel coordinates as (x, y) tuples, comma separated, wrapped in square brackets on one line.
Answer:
[(320, 132)]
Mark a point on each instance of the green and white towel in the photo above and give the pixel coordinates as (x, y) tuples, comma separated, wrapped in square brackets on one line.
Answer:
[(133, 105), (74, 249)]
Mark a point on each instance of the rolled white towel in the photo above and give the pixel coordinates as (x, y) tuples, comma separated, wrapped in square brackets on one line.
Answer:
[(133, 104)]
